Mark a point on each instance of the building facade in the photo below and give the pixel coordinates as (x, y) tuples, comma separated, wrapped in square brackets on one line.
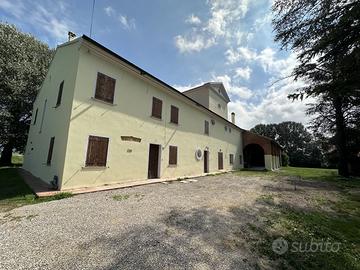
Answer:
[(99, 120)]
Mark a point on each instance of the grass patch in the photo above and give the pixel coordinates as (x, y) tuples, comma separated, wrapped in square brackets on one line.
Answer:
[(121, 197), (311, 174), (15, 193), (266, 198), (301, 227), (319, 174), (17, 159)]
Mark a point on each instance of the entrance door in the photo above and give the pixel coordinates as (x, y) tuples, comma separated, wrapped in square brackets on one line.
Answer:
[(220, 161), (206, 161), (154, 153)]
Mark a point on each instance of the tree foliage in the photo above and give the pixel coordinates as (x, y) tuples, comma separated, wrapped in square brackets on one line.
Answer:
[(300, 146), (23, 65), (325, 36)]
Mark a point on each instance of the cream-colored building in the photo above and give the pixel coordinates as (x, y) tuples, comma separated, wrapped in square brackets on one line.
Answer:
[(99, 119)]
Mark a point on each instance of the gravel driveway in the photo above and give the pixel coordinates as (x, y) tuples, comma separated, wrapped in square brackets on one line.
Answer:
[(194, 225)]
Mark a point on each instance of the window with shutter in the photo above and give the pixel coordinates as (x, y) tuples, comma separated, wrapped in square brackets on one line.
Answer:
[(58, 101), (240, 159), (231, 158), (206, 128), (156, 108), (51, 147), (174, 115), (105, 88), (97, 151), (172, 155), (35, 117)]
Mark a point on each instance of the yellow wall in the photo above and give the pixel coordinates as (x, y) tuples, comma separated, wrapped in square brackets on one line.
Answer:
[(214, 101), (130, 116), (56, 120)]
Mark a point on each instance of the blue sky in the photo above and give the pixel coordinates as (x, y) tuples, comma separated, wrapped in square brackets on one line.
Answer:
[(184, 43)]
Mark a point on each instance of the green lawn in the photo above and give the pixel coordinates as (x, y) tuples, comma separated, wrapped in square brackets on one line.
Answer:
[(333, 218), (15, 193)]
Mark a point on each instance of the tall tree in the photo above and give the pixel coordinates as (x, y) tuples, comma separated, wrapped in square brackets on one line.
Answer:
[(23, 65), (325, 34), (297, 142)]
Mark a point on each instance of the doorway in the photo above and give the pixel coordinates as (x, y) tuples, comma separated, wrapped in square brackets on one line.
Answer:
[(254, 156), (206, 161), (220, 161), (154, 161)]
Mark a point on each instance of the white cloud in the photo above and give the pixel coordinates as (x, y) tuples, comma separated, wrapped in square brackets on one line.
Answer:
[(243, 73), (192, 19), (15, 8), (238, 91), (126, 22), (42, 17), (183, 88), (222, 23), (274, 107), (109, 11), (192, 44)]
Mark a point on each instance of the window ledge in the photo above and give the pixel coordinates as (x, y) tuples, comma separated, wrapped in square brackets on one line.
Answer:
[(47, 164), (175, 124), (172, 165), (156, 118), (102, 101), (56, 106), (94, 168)]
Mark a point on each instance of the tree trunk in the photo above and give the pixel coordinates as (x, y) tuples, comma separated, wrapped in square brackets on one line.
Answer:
[(341, 144), (6, 154)]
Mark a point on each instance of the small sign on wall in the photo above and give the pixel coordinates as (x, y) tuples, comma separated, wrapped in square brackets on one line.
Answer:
[(130, 139)]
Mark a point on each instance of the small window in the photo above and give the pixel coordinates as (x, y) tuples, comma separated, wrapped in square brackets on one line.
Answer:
[(35, 117), (97, 151), (240, 160), (225, 128), (172, 155), (105, 88), (58, 101), (219, 106), (51, 147), (174, 115), (156, 108), (231, 158), (206, 127), (230, 129)]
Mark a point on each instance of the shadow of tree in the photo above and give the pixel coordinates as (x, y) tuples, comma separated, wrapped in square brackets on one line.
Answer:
[(199, 238)]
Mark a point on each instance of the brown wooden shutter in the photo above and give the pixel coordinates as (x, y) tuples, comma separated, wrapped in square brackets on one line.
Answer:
[(174, 118), (51, 147), (231, 158), (105, 88), (172, 155), (58, 101), (97, 151), (156, 108), (206, 131)]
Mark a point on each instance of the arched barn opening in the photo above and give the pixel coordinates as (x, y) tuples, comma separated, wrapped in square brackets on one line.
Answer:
[(254, 156)]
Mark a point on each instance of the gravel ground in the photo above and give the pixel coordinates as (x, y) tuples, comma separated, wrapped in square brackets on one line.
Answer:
[(194, 225)]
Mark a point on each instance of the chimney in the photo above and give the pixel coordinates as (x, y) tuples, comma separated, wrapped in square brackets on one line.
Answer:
[(233, 118), (71, 36)]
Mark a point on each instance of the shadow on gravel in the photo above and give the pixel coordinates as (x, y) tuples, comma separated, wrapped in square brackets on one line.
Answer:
[(194, 239)]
